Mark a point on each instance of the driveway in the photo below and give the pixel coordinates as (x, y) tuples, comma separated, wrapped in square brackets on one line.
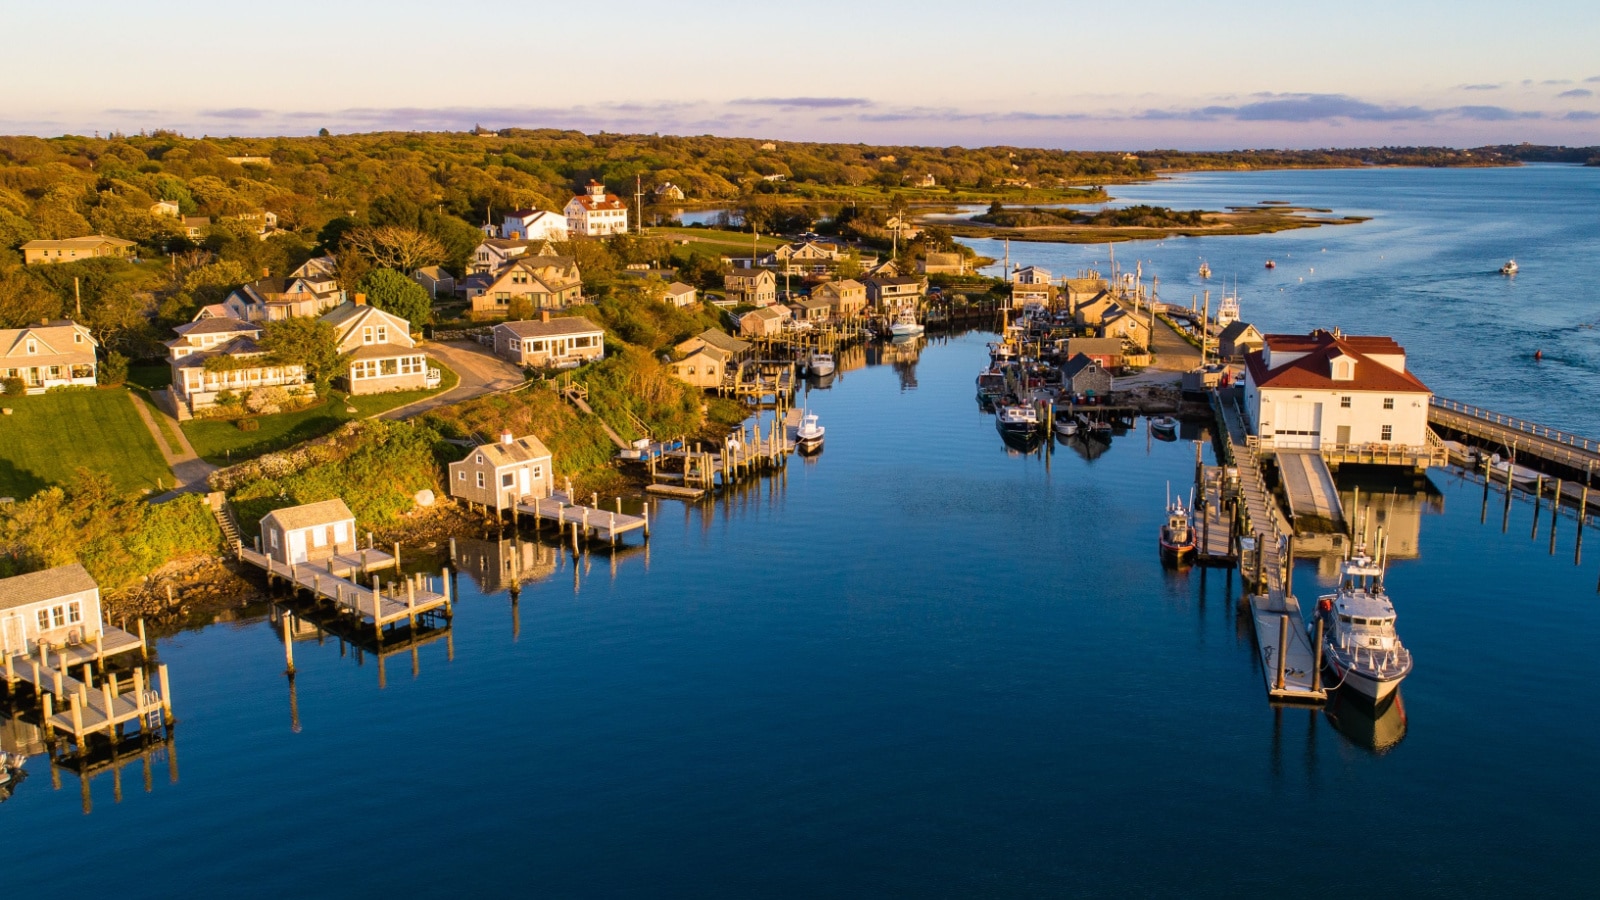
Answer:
[(481, 372)]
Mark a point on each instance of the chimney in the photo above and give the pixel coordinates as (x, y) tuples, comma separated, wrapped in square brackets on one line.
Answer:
[(506, 438), (544, 315), (361, 299), (266, 272)]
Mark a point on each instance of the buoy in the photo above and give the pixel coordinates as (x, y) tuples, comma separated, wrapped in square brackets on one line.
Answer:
[(1538, 355)]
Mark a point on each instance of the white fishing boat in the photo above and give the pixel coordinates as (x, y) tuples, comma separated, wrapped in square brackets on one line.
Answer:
[(820, 365), (808, 437), (1521, 476), (1018, 424), (1205, 269), (906, 324), (1164, 426), (1359, 642), (1510, 268), (1066, 426)]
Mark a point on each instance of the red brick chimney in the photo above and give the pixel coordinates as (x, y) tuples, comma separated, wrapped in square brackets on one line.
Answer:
[(360, 299)]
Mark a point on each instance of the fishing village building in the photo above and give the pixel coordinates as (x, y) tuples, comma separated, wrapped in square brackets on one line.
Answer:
[(1083, 375), (680, 295), (309, 533), (550, 343), (596, 213), (95, 246), (709, 358), (380, 352), (214, 355), (750, 287), (764, 322), (546, 282), (803, 258), (1328, 391), (497, 476), (1238, 339), (847, 298), (534, 225), (274, 299), (895, 293), (55, 354), (57, 607)]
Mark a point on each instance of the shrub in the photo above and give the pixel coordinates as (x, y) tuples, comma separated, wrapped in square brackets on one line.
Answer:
[(247, 424), (113, 370), (14, 387)]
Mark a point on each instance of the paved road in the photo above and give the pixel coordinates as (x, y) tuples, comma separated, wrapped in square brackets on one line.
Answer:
[(481, 373)]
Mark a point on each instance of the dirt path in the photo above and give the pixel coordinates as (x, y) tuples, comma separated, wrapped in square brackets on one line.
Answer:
[(189, 471)]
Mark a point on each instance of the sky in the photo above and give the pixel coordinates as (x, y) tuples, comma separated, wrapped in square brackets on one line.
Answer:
[(1070, 75)]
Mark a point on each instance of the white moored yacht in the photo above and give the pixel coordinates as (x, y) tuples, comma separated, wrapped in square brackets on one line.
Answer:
[(821, 364), (1359, 643), (906, 324), (808, 437)]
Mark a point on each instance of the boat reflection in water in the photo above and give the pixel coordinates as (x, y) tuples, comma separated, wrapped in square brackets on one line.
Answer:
[(1376, 731)]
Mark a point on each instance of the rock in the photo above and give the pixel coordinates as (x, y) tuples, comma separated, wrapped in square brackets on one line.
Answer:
[(424, 498)]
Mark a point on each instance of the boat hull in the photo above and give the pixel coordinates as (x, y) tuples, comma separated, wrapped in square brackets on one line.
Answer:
[(1361, 681)]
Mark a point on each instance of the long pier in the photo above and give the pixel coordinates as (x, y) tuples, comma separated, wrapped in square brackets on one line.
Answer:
[(1290, 666), (1534, 445), (591, 521)]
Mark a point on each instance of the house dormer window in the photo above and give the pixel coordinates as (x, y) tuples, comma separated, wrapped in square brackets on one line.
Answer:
[(33, 347), (366, 335), (383, 334)]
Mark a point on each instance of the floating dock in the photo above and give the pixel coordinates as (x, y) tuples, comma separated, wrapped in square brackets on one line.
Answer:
[(1292, 668)]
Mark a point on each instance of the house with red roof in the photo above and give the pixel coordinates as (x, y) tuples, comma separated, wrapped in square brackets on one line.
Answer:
[(596, 213), (1344, 395)]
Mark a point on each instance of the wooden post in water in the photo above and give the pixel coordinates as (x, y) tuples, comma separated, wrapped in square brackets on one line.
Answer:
[(77, 723), (411, 604), (49, 715), (1288, 569), (444, 590), (166, 696), (288, 645), (144, 647), (1261, 553), (647, 519), (1283, 645)]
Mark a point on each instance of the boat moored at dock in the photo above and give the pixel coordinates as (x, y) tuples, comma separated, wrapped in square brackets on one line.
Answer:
[(1018, 423), (1360, 645), (1177, 539), (808, 437)]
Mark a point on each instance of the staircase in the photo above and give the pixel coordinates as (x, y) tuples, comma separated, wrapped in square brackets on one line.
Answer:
[(225, 521)]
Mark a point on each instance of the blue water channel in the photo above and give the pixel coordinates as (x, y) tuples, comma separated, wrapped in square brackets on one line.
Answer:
[(919, 664), (924, 665)]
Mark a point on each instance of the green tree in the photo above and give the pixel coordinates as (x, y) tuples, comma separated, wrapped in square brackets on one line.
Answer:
[(113, 370), (305, 341), (394, 293)]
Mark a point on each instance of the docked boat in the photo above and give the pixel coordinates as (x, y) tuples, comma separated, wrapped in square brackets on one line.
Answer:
[(906, 324), (11, 773), (820, 365), (1359, 643), (1510, 268), (1018, 423), (1100, 430), (1165, 427), (991, 387), (1066, 426), (1177, 535), (1521, 476), (808, 437)]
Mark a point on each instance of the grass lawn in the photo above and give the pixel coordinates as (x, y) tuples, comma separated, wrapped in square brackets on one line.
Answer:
[(150, 376), (722, 241), (47, 437), (221, 442)]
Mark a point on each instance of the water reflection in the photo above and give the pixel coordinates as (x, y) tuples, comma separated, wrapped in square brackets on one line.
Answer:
[(1376, 731), (22, 738)]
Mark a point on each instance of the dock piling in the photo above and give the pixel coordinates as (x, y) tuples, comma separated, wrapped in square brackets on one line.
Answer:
[(1283, 647), (288, 645)]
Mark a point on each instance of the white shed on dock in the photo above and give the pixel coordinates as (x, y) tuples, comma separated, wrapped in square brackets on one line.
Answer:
[(502, 474), (314, 531), (58, 606)]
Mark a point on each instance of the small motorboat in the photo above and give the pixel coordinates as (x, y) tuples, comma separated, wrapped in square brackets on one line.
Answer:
[(1177, 535), (1100, 430), (11, 773), (808, 437), (1510, 268), (1521, 476), (1066, 426), (906, 324), (1271, 264), (820, 365), (1164, 427), (1359, 643), (1018, 424), (1205, 269)]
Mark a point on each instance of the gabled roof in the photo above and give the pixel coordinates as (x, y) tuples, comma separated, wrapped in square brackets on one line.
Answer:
[(77, 243), (1237, 329), (715, 338), (37, 587), (60, 338), (769, 312), (1096, 346), (349, 315), (556, 327), (521, 450), (318, 267), (435, 273), (1077, 364), (216, 325), (678, 289), (881, 280), (838, 288), (591, 203), (309, 515), (1314, 370), (243, 347)]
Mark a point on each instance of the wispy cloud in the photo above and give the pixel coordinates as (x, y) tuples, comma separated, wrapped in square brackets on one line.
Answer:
[(1306, 108), (237, 112), (1581, 115), (1577, 92), (1592, 79), (1556, 81), (806, 102), (1480, 87)]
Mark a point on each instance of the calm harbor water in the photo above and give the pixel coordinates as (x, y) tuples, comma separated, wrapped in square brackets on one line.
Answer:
[(917, 665), (1424, 270)]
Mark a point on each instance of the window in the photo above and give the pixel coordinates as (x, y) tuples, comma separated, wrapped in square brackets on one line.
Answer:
[(339, 535), (461, 476), (33, 347), (1387, 433), (75, 612), (508, 479), (479, 459), (480, 481), (44, 619), (1388, 403), (366, 335), (272, 538), (537, 472), (319, 537), (59, 615), (1344, 402), (383, 334)]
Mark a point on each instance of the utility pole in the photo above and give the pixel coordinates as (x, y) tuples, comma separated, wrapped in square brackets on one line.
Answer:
[(77, 296), (638, 203)]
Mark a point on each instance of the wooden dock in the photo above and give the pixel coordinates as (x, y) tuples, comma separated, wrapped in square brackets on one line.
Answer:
[(1537, 446), (79, 708), (380, 605), (590, 521), (1214, 545), (1289, 664)]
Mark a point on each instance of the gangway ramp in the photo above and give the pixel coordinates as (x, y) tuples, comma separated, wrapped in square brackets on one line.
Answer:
[(1310, 487)]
